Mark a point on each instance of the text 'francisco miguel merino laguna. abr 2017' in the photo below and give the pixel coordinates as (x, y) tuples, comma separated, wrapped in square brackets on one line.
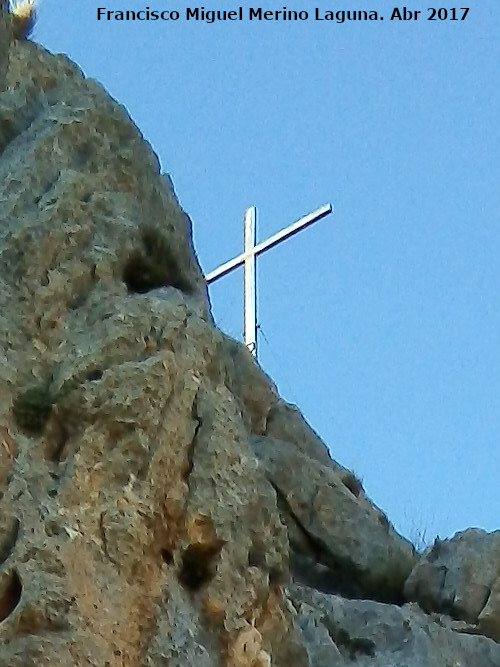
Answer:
[(283, 14)]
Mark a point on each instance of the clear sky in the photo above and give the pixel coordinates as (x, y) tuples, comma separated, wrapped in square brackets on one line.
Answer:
[(381, 322)]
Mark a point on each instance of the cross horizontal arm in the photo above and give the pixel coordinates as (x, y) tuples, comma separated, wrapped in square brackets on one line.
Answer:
[(295, 227)]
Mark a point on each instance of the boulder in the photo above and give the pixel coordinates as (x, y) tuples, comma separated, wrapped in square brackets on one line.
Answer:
[(333, 525), (461, 576)]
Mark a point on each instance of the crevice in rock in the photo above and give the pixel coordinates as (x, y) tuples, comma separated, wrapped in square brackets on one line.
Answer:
[(469, 630), (9, 539), (62, 425), (351, 647), (60, 436), (104, 540), (311, 563), (256, 556), (428, 601), (32, 408), (313, 548), (192, 445), (309, 572), (94, 375), (10, 596), (154, 264), (199, 564), (8, 131), (167, 556)]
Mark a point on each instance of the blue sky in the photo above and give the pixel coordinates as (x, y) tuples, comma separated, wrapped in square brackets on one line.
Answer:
[(381, 322)]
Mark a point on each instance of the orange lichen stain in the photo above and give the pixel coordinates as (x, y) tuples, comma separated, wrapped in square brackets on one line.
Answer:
[(246, 650), (200, 530), (213, 607), (116, 618), (271, 616)]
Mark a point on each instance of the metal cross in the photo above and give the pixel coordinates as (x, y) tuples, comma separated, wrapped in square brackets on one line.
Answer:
[(248, 259)]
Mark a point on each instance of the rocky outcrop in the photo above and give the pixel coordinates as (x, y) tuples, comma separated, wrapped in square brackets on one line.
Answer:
[(340, 632), (160, 503), (461, 577), (331, 523)]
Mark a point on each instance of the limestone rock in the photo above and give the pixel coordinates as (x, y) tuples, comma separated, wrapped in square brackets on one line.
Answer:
[(334, 525), (138, 527), (159, 502), (359, 633), (285, 422), (255, 392), (461, 576)]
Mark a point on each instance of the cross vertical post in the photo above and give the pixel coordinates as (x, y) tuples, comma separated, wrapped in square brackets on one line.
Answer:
[(250, 291)]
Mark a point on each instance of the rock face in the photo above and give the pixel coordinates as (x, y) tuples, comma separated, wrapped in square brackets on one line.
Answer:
[(461, 576), (159, 503)]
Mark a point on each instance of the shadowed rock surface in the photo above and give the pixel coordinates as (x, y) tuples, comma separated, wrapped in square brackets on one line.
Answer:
[(160, 505)]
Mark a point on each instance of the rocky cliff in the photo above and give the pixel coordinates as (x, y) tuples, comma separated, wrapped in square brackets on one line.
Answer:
[(160, 504)]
